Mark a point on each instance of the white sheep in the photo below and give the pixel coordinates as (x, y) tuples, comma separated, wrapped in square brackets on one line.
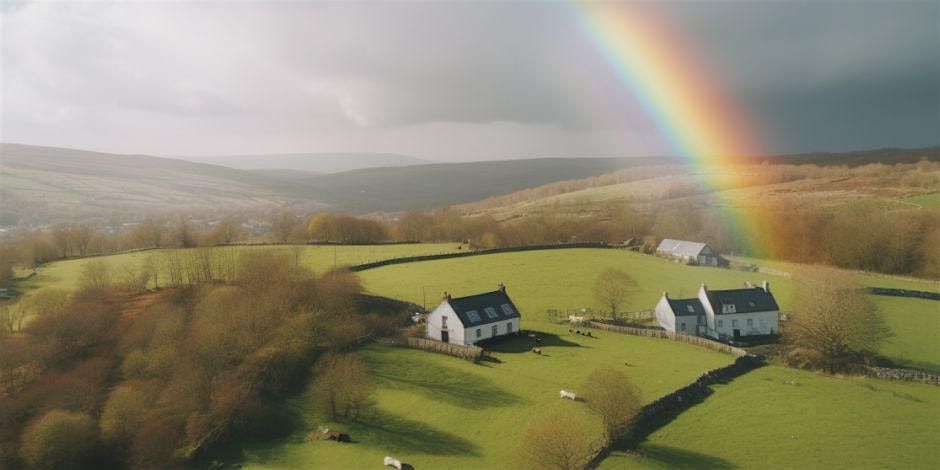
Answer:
[(392, 462), (568, 395)]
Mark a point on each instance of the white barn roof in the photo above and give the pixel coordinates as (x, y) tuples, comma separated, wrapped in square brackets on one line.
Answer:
[(681, 247)]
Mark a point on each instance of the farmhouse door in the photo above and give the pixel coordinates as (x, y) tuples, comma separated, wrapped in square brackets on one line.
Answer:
[(737, 333), (445, 336)]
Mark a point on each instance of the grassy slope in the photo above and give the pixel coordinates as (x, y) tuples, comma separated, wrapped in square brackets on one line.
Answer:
[(435, 411), (925, 200), (426, 421), (916, 327), (784, 418), (66, 274)]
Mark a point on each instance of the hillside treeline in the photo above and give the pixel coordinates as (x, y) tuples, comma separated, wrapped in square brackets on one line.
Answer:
[(868, 235), (152, 379)]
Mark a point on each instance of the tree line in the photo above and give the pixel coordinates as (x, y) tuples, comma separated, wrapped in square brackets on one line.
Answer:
[(111, 377)]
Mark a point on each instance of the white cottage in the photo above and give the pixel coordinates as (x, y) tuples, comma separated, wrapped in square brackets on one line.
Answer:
[(722, 314), (690, 252), (468, 320)]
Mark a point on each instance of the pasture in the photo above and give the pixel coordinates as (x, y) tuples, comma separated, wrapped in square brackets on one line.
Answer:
[(776, 417), (67, 274), (436, 411)]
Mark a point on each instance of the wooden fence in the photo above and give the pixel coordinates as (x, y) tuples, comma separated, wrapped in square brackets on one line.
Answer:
[(470, 353), (682, 338)]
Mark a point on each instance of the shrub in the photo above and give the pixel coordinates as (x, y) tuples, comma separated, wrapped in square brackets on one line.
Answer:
[(59, 439)]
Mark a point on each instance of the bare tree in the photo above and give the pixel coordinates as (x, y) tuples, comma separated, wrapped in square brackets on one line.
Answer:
[(96, 274), (612, 395), (834, 322), (612, 289), (341, 386), (560, 441)]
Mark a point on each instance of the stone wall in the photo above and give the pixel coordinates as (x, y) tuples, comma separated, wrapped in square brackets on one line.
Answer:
[(909, 375), (464, 254)]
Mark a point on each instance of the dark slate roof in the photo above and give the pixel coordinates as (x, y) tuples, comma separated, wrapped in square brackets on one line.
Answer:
[(680, 307), (479, 303), (747, 300)]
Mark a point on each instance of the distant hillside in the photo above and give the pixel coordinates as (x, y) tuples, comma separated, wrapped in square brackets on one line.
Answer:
[(838, 179), (42, 185), (311, 162), (859, 157), (45, 185)]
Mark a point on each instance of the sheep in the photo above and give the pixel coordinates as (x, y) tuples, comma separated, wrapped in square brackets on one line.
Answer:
[(392, 462), (568, 395), (537, 351)]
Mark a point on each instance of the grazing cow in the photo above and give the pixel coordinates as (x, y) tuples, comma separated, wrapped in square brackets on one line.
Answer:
[(392, 462), (568, 395)]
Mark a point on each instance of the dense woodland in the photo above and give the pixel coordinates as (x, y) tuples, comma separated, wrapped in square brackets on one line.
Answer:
[(113, 376)]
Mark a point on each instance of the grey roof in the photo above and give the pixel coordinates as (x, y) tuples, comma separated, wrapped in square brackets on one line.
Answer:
[(681, 247), (747, 300), (479, 303), (680, 307)]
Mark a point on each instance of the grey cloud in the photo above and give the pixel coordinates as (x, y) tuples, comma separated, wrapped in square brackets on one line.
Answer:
[(447, 80)]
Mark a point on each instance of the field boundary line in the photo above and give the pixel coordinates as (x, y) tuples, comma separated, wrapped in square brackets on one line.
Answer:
[(663, 334), (491, 251)]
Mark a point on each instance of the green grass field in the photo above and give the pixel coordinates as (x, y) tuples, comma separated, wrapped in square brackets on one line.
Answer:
[(67, 274), (426, 419), (924, 200), (436, 411), (916, 327), (783, 418)]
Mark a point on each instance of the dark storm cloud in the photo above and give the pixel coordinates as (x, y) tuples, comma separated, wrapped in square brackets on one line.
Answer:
[(447, 80)]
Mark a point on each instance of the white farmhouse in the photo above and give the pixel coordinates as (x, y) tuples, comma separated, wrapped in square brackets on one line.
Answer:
[(722, 314), (690, 252), (468, 320)]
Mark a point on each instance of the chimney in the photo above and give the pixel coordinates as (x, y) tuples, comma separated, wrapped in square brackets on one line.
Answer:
[(704, 287), (446, 296), (501, 287), (665, 294), (766, 286), (748, 285)]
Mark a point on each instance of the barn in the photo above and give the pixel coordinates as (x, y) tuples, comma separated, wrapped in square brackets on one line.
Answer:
[(721, 314), (468, 320), (690, 252)]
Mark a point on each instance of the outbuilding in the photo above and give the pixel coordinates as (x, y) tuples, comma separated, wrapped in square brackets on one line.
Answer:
[(690, 252)]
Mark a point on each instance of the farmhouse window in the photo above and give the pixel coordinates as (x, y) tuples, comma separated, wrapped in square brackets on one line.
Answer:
[(750, 322), (473, 316), (495, 331), (728, 308), (444, 321), (721, 323), (682, 326), (509, 328), (479, 332), (690, 308), (734, 323), (490, 312), (506, 309)]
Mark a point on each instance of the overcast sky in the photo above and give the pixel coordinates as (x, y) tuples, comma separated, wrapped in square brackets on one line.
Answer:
[(448, 81)]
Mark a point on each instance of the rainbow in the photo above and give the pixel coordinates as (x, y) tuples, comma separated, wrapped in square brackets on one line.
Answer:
[(683, 97)]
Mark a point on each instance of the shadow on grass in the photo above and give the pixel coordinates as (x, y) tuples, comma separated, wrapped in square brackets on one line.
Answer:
[(674, 457), (523, 343), (397, 434), (452, 386)]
